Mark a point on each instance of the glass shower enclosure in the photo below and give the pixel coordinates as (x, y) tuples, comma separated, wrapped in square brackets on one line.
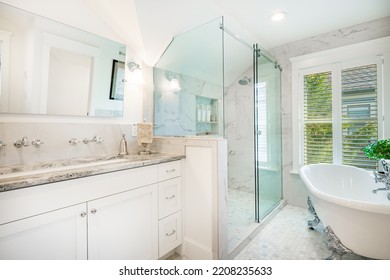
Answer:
[(188, 84), (210, 83)]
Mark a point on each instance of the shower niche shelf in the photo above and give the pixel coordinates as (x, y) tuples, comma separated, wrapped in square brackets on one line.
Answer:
[(206, 113)]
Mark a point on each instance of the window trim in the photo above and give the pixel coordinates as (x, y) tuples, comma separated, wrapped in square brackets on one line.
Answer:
[(336, 59)]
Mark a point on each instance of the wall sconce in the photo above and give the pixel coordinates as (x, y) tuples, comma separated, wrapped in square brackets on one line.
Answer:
[(133, 66), (174, 84), (136, 76)]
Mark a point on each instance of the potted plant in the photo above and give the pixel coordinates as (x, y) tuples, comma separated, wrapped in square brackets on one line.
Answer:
[(379, 150)]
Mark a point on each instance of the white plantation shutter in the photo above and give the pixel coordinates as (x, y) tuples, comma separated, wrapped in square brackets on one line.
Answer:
[(359, 114), (317, 115), (262, 124), (347, 127)]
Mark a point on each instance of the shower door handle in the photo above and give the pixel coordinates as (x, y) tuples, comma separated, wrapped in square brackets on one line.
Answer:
[(259, 132)]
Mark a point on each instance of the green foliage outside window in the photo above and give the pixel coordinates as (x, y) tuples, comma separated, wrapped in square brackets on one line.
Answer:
[(318, 115)]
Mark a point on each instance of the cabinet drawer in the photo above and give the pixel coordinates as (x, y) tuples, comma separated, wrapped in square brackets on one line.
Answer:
[(169, 170), (170, 233), (169, 193)]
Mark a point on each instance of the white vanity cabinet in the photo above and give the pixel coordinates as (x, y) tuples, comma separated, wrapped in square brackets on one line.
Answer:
[(108, 216)]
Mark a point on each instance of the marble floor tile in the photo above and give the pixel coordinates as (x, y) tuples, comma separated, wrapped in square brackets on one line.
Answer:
[(241, 205), (287, 237)]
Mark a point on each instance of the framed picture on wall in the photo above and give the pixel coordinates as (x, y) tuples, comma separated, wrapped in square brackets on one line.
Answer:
[(117, 80)]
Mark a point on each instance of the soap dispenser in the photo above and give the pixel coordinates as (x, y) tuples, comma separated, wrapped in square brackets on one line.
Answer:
[(123, 146)]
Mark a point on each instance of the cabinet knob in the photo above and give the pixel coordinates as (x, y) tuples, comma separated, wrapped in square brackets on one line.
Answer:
[(83, 214), (93, 211)]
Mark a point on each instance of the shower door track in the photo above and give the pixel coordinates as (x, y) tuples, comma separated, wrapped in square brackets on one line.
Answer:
[(223, 28)]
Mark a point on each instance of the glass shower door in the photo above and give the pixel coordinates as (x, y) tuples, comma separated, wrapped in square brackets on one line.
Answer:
[(267, 134)]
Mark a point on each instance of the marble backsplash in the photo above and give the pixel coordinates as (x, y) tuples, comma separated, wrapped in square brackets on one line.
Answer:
[(56, 137)]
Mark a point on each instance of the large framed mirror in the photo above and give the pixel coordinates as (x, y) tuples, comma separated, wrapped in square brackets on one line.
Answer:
[(54, 69)]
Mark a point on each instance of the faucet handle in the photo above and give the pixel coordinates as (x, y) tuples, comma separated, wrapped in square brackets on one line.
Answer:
[(378, 178), (386, 165), (97, 139), (36, 142), (21, 143), (73, 141), (25, 141)]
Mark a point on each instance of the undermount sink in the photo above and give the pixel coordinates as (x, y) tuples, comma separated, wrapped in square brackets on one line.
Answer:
[(78, 165)]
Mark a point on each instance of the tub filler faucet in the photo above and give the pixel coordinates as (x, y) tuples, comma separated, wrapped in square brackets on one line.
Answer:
[(383, 177)]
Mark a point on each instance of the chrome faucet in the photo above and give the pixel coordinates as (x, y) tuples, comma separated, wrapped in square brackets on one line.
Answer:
[(96, 139), (383, 177), (21, 143)]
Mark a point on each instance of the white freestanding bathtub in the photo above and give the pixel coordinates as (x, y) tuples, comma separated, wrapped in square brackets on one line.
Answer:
[(344, 201)]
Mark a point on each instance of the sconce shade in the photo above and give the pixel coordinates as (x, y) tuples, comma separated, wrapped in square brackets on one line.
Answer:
[(174, 84), (133, 66)]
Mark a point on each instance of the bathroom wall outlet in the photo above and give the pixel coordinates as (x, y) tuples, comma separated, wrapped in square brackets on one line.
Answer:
[(134, 130)]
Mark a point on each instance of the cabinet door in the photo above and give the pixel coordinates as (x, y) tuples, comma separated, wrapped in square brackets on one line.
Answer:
[(56, 235), (124, 225)]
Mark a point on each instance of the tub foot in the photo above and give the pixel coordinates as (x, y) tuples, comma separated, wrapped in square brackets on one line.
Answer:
[(312, 211), (334, 244)]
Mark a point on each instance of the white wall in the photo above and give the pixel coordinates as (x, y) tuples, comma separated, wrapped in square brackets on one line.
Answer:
[(294, 190)]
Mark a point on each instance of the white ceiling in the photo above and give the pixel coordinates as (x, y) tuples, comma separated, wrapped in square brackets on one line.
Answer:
[(160, 20), (148, 26)]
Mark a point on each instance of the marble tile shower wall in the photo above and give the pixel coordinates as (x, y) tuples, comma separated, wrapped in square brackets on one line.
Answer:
[(55, 138), (175, 111), (239, 123)]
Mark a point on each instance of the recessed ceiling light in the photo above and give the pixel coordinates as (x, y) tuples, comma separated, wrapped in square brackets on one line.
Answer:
[(278, 16)]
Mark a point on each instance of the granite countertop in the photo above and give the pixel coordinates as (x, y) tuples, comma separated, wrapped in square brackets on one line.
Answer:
[(28, 175)]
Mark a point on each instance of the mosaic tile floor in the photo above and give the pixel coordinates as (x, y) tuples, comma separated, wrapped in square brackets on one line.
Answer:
[(241, 215), (287, 237)]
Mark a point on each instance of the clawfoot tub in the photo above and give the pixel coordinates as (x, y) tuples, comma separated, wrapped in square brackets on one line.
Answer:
[(355, 218)]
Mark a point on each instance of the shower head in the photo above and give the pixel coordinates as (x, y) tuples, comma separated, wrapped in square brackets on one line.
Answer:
[(244, 81)]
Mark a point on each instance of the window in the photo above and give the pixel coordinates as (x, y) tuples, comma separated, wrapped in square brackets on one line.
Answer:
[(318, 130), (262, 124), (357, 93), (340, 103)]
